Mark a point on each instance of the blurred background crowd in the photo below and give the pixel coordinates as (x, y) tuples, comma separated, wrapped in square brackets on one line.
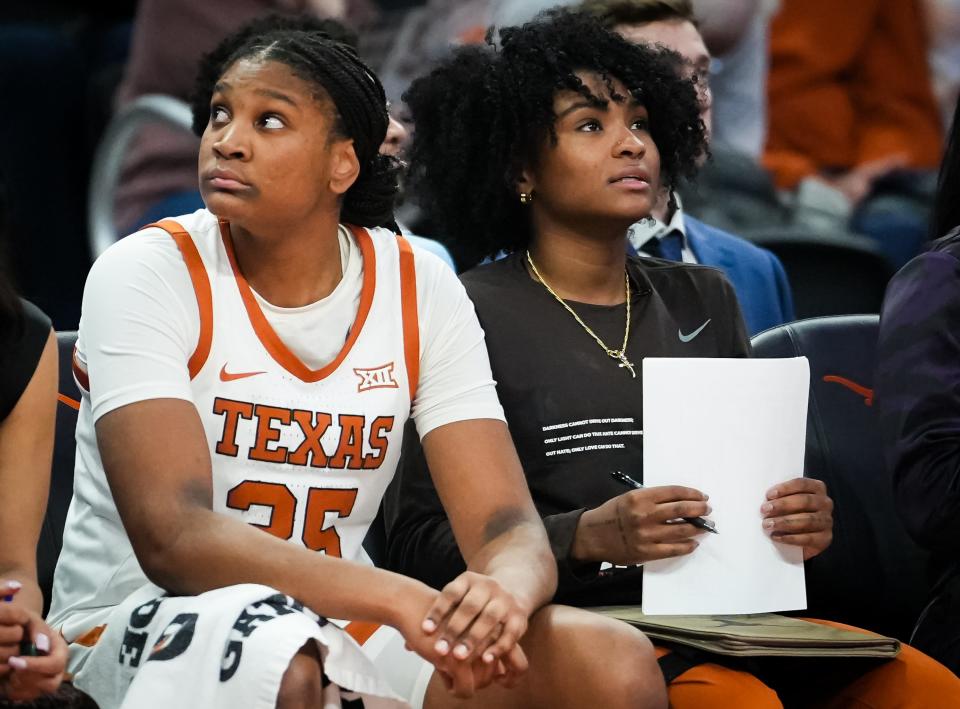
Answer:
[(828, 124)]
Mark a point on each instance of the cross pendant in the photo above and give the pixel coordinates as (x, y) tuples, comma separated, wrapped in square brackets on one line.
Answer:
[(624, 362)]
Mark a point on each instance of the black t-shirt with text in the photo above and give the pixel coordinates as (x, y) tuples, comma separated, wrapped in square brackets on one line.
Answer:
[(574, 413)]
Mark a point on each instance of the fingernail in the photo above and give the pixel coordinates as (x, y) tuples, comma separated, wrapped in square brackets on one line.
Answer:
[(43, 643), (17, 663), (772, 493), (766, 507), (442, 646), (709, 509), (488, 657), (768, 524), (461, 651), (429, 625)]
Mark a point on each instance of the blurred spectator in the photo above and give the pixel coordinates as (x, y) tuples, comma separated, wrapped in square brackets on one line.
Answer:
[(737, 34), (943, 32), (854, 132), (427, 33)]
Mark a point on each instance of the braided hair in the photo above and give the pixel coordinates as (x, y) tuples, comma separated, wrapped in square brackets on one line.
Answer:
[(320, 53), (485, 114)]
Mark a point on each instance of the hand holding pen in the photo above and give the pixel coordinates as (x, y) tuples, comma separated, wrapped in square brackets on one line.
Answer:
[(640, 525), (698, 522)]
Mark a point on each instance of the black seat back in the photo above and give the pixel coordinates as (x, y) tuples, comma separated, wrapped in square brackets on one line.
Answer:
[(873, 574), (61, 481), (833, 274)]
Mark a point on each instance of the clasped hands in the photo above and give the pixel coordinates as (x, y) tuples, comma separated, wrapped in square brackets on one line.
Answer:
[(25, 678), (645, 525), (471, 633)]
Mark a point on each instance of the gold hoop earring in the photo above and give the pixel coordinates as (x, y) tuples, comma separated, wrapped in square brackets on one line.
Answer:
[(526, 197)]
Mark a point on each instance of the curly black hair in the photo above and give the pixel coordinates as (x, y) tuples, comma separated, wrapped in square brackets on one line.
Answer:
[(486, 112), (323, 53)]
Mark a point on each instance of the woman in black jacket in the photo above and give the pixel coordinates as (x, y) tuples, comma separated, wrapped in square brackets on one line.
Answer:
[(918, 401)]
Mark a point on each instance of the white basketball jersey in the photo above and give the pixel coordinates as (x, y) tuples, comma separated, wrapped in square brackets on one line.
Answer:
[(304, 454)]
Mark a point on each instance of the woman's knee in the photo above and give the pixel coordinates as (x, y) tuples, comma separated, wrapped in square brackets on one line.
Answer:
[(601, 660), (302, 683)]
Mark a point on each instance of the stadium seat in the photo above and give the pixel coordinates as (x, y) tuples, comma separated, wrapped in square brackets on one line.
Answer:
[(108, 160), (61, 482), (873, 575), (837, 274)]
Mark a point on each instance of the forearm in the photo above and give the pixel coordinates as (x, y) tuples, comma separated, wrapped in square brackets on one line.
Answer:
[(520, 558), (214, 551), (592, 531), (493, 517)]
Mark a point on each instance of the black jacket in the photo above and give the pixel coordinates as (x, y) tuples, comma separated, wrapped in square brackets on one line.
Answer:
[(918, 401)]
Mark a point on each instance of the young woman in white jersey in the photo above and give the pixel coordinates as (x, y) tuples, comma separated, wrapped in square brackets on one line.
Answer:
[(253, 365)]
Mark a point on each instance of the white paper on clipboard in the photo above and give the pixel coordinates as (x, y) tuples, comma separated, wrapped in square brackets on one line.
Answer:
[(732, 428)]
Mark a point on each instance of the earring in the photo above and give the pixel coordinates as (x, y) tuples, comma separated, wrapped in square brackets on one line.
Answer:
[(526, 197)]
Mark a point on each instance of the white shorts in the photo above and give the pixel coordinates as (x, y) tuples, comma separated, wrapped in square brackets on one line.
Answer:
[(230, 648)]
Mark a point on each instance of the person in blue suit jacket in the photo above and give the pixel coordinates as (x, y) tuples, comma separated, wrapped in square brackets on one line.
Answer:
[(756, 274)]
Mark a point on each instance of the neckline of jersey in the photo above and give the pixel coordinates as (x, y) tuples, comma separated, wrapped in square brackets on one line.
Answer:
[(268, 337)]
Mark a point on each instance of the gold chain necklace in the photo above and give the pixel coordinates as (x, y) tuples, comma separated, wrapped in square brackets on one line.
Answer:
[(620, 354)]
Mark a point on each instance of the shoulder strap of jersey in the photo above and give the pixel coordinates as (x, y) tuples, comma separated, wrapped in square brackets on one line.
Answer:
[(201, 288), (408, 309)]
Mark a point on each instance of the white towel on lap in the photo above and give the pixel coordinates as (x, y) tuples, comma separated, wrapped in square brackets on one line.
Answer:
[(225, 648)]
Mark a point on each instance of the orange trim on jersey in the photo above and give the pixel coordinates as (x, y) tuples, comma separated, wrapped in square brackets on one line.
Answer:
[(361, 631), (269, 338), (72, 403), (408, 310), (201, 288), (91, 637), (79, 373)]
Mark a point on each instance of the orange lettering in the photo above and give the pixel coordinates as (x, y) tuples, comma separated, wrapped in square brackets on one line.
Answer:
[(319, 502), (234, 410), (278, 498), (351, 442), (312, 429), (267, 434), (381, 426)]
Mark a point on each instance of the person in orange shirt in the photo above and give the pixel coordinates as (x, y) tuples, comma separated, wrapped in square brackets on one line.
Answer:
[(854, 132)]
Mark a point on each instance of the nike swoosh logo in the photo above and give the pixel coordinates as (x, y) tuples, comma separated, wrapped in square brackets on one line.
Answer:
[(687, 338), (226, 376), (863, 391)]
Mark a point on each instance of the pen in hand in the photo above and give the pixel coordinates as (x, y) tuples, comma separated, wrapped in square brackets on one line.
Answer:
[(698, 522)]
